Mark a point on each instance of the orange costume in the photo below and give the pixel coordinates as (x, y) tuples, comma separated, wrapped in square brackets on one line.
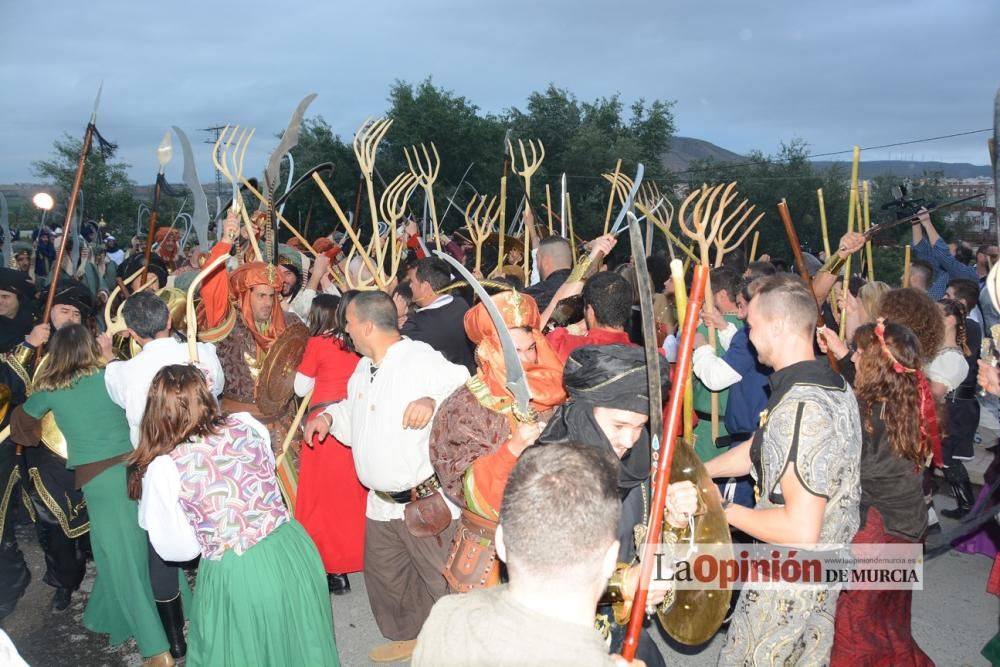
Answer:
[(470, 437)]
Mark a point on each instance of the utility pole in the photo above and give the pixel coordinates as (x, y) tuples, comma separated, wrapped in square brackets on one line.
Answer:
[(216, 133)]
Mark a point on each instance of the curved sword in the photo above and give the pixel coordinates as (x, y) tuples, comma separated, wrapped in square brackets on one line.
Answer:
[(199, 214), (517, 381), (289, 139), (8, 242)]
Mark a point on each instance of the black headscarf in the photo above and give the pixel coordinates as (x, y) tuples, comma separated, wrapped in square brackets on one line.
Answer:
[(72, 293), (13, 330), (608, 376)]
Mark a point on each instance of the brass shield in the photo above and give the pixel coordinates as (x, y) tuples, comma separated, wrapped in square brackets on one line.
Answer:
[(275, 384)]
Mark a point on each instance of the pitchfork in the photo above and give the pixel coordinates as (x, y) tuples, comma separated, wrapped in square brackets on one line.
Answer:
[(228, 158), (480, 218), (366, 142), (393, 207), (426, 172)]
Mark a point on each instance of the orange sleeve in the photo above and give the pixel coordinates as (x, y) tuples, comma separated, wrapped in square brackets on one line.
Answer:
[(215, 288), (490, 475)]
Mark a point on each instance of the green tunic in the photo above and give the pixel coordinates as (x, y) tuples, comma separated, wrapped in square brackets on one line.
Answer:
[(703, 444), (121, 602)]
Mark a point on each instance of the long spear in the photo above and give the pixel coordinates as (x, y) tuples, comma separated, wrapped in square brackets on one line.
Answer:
[(88, 139), (163, 154), (670, 433)]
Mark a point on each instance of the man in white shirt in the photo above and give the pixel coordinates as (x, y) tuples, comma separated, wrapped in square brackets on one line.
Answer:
[(391, 398), (148, 321)]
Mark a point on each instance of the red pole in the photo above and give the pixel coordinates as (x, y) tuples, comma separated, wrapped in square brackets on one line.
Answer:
[(671, 431)]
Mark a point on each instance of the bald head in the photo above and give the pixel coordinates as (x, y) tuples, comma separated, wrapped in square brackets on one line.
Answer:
[(554, 254)]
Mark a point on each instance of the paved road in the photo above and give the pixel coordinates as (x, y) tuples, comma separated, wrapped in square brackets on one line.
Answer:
[(952, 619)]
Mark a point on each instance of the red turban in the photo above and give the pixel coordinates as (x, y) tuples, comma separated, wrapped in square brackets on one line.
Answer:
[(544, 376), (241, 281)]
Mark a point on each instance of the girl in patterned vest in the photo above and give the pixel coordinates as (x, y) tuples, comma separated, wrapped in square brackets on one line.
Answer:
[(206, 485)]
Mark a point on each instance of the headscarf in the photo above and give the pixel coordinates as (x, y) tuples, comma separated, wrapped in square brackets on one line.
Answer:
[(13, 330), (72, 293), (241, 281), (608, 376), (544, 376)]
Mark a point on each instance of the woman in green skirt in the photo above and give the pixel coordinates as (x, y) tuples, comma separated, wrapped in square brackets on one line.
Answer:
[(70, 385), (207, 486)]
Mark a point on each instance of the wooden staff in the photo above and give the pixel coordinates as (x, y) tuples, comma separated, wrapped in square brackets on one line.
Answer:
[(88, 139), (868, 245), (680, 301), (822, 222), (800, 264), (504, 172), (611, 196), (548, 207), (569, 226), (906, 266), (671, 430), (753, 246), (853, 201)]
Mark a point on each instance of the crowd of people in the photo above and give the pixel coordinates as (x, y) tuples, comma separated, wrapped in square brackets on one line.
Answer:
[(488, 530)]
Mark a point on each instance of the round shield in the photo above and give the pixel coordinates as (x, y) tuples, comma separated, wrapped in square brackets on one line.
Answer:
[(275, 384)]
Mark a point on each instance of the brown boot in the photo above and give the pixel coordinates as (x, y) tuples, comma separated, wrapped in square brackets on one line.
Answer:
[(393, 651), (162, 660)]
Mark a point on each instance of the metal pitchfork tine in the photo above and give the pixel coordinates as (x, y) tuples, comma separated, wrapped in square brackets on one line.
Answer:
[(528, 167), (393, 208), (480, 218), (426, 173)]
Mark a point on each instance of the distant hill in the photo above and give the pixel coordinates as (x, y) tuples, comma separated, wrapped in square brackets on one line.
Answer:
[(904, 168), (685, 150)]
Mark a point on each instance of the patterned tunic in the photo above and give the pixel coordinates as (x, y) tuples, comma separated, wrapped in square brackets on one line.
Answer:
[(228, 489), (812, 421)]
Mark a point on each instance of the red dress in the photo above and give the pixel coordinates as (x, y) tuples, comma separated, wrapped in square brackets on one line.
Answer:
[(331, 501)]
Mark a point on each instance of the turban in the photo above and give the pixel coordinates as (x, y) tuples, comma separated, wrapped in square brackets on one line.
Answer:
[(245, 278), (17, 283), (544, 376), (72, 293), (608, 376), (322, 244), (163, 232)]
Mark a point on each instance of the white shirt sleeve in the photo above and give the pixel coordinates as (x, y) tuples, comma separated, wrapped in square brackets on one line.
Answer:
[(303, 384), (160, 512), (114, 384), (726, 335), (949, 368), (209, 358), (713, 372), (340, 413), (302, 302)]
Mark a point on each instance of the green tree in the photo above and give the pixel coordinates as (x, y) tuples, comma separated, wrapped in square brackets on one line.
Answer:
[(107, 190)]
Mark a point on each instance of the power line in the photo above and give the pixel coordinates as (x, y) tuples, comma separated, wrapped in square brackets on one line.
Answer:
[(778, 160)]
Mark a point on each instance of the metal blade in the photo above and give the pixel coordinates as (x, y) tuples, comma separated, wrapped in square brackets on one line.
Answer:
[(164, 152), (562, 205), (996, 162), (289, 139), (453, 195), (517, 381), (629, 201), (199, 215), (648, 325), (307, 176), (97, 103)]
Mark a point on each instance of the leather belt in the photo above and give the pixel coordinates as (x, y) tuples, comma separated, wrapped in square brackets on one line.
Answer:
[(422, 490), (230, 405)]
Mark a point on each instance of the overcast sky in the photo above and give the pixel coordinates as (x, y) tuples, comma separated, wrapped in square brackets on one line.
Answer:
[(744, 75)]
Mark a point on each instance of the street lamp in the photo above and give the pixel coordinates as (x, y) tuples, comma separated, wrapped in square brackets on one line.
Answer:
[(44, 201)]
